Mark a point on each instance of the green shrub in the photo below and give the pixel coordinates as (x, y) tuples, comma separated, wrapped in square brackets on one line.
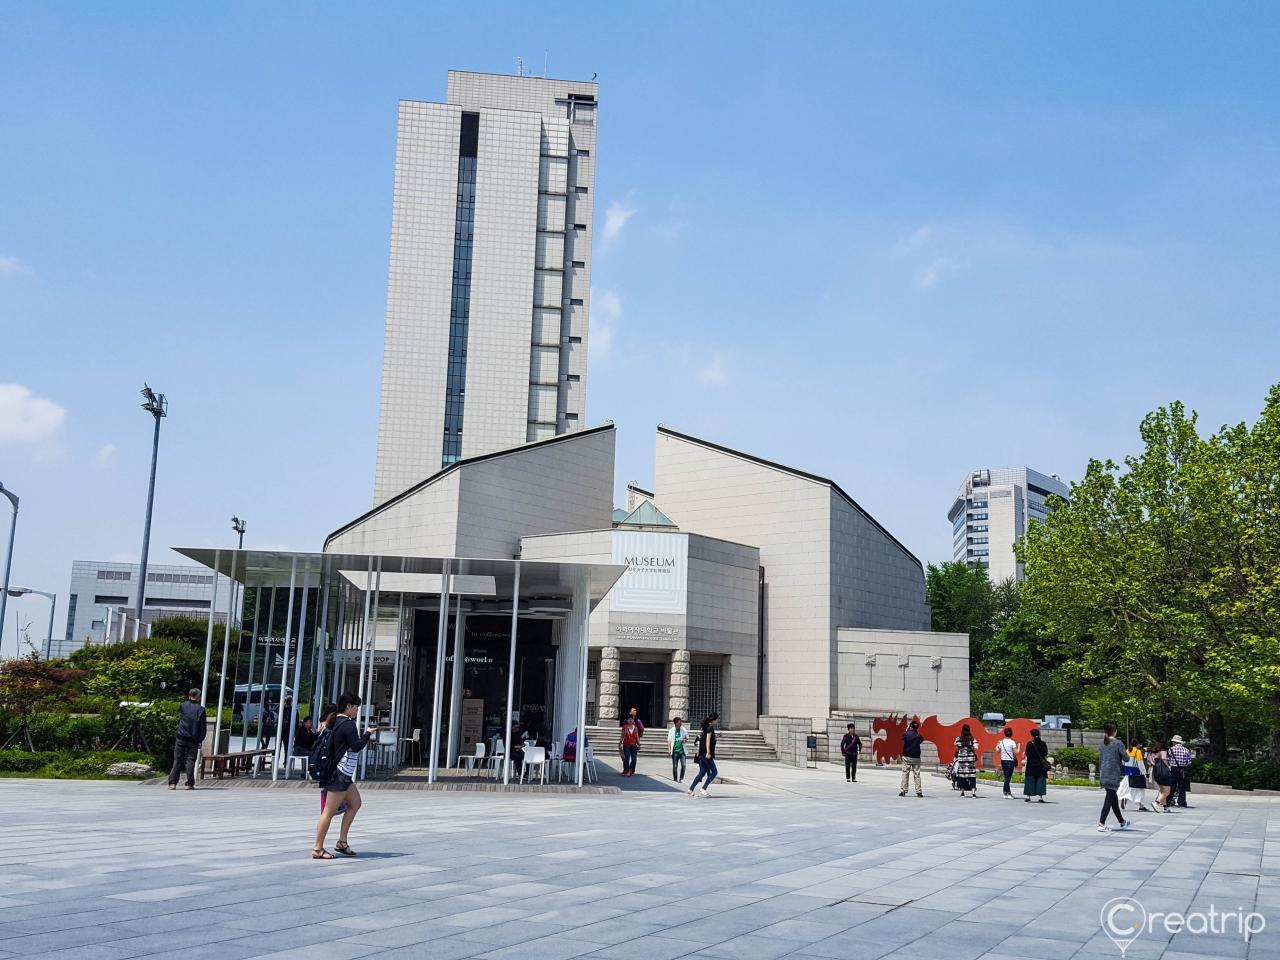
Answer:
[(24, 761), (1241, 774), (1074, 758), (71, 765)]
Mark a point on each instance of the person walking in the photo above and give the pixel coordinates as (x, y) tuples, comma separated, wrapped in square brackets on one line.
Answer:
[(1035, 768), (629, 744), (1007, 750), (966, 763), (193, 726), (1111, 761), (339, 781), (850, 747), (634, 715), (327, 716), (677, 736), (1180, 764), (911, 741), (1158, 757), (1133, 789), (706, 757)]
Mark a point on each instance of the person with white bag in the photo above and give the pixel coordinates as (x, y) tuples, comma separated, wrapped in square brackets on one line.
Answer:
[(1133, 788)]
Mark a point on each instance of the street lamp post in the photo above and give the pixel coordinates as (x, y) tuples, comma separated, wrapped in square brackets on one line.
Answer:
[(53, 606), (156, 405), (238, 526), (8, 561)]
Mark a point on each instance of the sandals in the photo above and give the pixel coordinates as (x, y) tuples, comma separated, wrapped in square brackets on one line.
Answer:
[(342, 848), (320, 853)]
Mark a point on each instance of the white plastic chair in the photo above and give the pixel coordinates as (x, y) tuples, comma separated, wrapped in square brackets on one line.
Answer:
[(415, 744), (498, 757), (474, 760), (387, 742), (589, 766), (556, 760), (534, 757)]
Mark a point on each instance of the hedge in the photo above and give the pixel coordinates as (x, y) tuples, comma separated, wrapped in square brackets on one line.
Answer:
[(71, 765), (1241, 774), (1074, 758)]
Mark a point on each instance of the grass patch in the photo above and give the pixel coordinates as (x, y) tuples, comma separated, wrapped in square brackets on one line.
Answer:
[(1053, 781)]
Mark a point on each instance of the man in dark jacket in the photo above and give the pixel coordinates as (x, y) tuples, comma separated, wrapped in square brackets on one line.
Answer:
[(192, 727), (849, 748), (911, 741)]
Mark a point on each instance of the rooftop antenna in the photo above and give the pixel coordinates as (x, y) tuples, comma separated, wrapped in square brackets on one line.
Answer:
[(519, 66), (546, 59)]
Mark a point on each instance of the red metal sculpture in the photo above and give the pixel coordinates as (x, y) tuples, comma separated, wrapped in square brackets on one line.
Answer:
[(888, 749)]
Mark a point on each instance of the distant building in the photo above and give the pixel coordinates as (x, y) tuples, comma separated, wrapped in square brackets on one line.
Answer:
[(97, 588), (992, 512)]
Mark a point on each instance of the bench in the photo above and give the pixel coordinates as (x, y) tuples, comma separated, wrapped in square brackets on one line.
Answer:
[(219, 765)]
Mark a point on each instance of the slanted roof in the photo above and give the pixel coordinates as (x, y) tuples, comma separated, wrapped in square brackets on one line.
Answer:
[(645, 515), (619, 514)]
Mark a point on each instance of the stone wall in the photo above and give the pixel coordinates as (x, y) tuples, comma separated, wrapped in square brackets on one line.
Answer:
[(788, 737)]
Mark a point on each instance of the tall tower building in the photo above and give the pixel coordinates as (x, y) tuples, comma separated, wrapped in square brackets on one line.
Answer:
[(488, 292), (991, 513)]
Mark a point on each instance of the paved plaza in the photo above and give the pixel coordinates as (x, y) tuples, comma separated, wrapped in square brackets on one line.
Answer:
[(783, 863)]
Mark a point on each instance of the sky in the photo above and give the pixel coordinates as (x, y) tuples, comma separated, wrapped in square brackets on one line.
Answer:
[(883, 243)]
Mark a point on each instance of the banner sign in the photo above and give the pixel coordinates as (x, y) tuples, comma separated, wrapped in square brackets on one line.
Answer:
[(657, 574)]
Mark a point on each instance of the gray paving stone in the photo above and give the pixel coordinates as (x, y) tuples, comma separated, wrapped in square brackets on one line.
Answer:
[(226, 875)]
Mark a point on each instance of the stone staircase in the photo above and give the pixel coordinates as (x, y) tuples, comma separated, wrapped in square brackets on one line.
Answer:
[(730, 744)]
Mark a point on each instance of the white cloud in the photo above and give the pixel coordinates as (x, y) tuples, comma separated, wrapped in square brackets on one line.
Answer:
[(616, 217), (606, 311), (936, 272), (713, 372), (10, 266), (106, 453), (25, 418)]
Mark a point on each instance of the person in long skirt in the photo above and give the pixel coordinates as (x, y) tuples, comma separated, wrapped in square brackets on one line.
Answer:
[(966, 763), (1035, 768), (1133, 788)]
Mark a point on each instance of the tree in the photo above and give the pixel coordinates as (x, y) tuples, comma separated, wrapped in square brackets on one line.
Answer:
[(1160, 579), (962, 600), (29, 684)]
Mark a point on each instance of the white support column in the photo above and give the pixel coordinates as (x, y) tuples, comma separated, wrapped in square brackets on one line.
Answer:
[(366, 694), (208, 637), (284, 668), (253, 656), (455, 687), (340, 642), (395, 677), (364, 634), (442, 629), (297, 670), (321, 643), (226, 649), (511, 675), (582, 612)]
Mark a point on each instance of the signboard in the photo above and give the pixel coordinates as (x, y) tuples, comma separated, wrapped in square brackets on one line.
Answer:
[(472, 726), (657, 574)]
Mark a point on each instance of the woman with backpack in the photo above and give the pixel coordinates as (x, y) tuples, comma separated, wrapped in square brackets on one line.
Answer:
[(336, 776), (966, 763), (706, 757)]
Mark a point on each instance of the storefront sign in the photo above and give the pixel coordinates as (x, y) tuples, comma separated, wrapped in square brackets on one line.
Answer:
[(472, 726), (657, 574), (649, 630)]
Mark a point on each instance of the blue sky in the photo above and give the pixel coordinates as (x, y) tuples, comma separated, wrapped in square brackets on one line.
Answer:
[(884, 243)]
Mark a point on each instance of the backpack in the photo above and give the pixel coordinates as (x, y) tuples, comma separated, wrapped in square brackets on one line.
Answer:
[(322, 762)]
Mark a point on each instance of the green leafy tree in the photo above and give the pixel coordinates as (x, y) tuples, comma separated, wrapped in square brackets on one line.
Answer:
[(962, 600), (29, 684), (1159, 579), (144, 675)]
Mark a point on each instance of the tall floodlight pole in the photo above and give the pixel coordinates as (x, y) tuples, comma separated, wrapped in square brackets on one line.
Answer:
[(8, 560), (156, 405), (238, 526)]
